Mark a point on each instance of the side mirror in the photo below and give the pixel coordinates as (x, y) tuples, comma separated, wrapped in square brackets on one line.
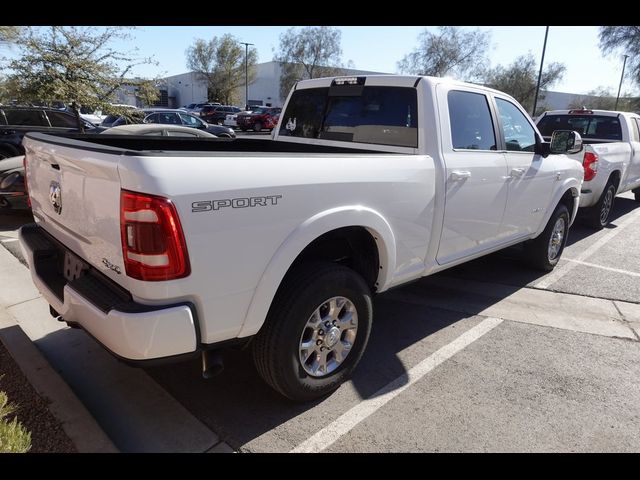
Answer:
[(565, 141)]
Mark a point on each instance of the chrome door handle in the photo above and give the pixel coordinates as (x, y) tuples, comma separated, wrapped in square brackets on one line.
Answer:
[(459, 175), (517, 172)]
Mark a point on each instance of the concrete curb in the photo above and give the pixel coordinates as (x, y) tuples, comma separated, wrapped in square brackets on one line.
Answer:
[(77, 422)]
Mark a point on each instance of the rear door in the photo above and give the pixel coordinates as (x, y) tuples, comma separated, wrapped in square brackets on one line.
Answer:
[(476, 188)]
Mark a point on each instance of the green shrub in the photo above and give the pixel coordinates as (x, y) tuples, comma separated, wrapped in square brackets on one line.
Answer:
[(13, 437)]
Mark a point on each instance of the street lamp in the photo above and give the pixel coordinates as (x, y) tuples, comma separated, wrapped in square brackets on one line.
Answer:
[(621, 77), (544, 48), (246, 73)]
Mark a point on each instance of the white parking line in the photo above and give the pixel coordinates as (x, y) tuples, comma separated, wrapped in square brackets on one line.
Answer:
[(617, 270), (9, 240), (343, 424), (561, 271)]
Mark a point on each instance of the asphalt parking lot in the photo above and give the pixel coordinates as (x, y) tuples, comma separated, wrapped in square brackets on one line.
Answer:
[(488, 356)]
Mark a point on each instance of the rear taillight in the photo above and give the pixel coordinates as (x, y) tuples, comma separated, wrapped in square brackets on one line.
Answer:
[(26, 186), (590, 165), (153, 244)]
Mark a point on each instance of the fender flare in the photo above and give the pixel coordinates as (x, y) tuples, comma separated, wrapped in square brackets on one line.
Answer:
[(304, 235), (569, 184)]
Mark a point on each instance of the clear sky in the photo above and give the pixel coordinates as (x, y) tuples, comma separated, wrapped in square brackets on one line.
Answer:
[(379, 48)]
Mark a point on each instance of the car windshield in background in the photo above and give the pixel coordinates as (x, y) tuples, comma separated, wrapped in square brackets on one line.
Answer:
[(596, 127), (378, 115)]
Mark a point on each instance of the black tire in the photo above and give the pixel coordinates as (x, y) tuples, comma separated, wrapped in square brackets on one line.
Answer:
[(257, 127), (598, 216), (636, 192), (244, 129), (537, 252), (276, 347)]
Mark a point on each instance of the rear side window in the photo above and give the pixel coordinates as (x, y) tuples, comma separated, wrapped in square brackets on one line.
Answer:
[(471, 124), (596, 127), (377, 115), (33, 118), (59, 119)]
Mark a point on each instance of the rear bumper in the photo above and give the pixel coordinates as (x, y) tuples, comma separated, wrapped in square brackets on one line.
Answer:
[(129, 330)]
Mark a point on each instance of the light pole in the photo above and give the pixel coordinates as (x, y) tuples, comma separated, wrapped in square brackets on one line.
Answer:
[(246, 73), (544, 48), (621, 77)]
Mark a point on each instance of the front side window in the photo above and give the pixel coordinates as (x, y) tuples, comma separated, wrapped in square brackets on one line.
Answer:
[(59, 119), (190, 120), (471, 124), (519, 135), (377, 115)]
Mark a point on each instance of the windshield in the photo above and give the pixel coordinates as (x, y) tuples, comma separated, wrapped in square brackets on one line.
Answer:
[(596, 127)]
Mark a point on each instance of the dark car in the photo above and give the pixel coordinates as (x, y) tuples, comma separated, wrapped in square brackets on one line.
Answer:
[(216, 114), (16, 121), (261, 117), (178, 117)]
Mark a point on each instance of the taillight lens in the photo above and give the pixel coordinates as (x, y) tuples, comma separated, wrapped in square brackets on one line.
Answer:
[(153, 244), (26, 186), (590, 165)]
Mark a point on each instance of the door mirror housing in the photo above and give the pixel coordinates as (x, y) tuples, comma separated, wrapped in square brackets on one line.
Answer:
[(565, 141)]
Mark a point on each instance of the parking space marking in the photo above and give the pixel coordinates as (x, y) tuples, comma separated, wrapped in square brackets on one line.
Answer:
[(611, 269), (9, 240), (562, 270), (346, 422)]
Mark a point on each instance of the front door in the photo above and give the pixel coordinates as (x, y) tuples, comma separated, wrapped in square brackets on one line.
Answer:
[(530, 178), (476, 189)]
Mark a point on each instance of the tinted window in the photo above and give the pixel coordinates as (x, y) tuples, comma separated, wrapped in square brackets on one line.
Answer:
[(157, 133), (26, 117), (519, 135), (597, 127), (471, 124), (59, 119), (173, 133), (380, 115), (168, 118)]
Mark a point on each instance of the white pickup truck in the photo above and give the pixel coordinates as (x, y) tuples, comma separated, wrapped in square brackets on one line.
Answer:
[(611, 157), (165, 247)]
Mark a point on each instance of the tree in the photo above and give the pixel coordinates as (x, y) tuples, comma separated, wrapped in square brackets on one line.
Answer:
[(146, 91), (521, 77), (311, 52), (9, 34), (451, 51), (75, 65), (627, 40), (221, 63)]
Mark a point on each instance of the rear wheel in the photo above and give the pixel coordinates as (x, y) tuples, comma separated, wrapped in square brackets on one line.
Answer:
[(316, 331), (598, 216), (257, 127), (544, 251)]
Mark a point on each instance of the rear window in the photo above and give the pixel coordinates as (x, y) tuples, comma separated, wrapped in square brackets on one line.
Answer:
[(596, 127), (377, 115), (59, 119), (32, 118)]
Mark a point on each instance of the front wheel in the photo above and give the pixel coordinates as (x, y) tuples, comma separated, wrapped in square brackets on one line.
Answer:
[(544, 251), (257, 127), (316, 331)]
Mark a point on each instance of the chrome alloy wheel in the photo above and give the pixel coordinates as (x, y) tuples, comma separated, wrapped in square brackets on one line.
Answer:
[(328, 336), (557, 236)]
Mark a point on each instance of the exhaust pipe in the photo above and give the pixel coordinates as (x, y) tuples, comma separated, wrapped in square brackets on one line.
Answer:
[(212, 363)]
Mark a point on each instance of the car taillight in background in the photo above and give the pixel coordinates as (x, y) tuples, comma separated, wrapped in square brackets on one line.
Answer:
[(590, 165), (153, 244)]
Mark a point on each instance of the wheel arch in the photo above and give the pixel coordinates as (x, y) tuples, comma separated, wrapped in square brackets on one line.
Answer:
[(569, 194), (304, 236)]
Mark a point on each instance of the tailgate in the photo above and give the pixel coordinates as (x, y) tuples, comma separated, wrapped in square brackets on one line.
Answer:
[(75, 196)]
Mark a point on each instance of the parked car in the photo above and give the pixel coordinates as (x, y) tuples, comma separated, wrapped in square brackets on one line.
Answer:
[(16, 121), (280, 244), (216, 114), (261, 117), (199, 106), (611, 158), (178, 117)]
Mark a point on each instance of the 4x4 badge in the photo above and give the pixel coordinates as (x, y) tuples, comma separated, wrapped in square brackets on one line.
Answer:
[(55, 196)]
